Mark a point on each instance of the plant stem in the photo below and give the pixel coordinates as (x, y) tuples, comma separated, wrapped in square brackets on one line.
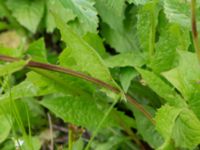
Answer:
[(70, 139), (51, 131), (68, 71), (100, 124), (194, 29)]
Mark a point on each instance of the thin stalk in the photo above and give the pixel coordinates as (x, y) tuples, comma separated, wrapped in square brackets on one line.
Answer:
[(100, 125), (51, 131), (45, 66), (194, 29), (70, 139)]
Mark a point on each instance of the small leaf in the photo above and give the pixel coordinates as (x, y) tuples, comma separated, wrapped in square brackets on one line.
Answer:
[(126, 75), (97, 43), (28, 13), (37, 51), (12, 67), (65, 14), (165, 119), (5, 127), (179, 12), (163, 89), (85, 12), (132, 59)]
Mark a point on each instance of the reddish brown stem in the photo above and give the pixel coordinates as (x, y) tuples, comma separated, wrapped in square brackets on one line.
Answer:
[(68, 71), (194, 29)]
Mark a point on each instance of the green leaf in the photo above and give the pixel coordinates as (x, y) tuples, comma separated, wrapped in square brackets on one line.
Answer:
[(165, 119), (132, 59), (179, 12), (126, 75), (33, 85), (138, 2), (160, 87), (66, 14), (78, 110), (146, 129), (89, 61), (3, 11), (35, 142), (186, 75), (5, 127), (186, 131), (165, 56), (122, 37), (10, 68), (147, 19), (116, 10), (28, 13), (96, 42), (46, 82), (37, 50), (86, 13), (180, 124)]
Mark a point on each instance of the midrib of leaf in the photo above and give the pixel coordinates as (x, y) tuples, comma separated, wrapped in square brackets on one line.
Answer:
[(152, 34)]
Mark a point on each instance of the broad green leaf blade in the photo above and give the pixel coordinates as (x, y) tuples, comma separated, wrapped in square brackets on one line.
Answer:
[(80, 56), (147, 19), (78, 110), (146, 129), (116, 11), (160, 87), (186, 75), (28, 13), (186, 131), (165, 119), (5, 127), (126, 75), (10, 68), (66, 14), (96, 42), (179, 124), (131, 59), (166, 55), (85, 12), (37, 51), (122, 37), (179, 12)]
